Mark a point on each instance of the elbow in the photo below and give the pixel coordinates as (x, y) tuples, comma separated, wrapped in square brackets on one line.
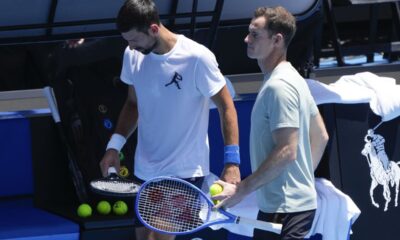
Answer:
[(292, 158), (286, 154), (292, 154), (325, 138)]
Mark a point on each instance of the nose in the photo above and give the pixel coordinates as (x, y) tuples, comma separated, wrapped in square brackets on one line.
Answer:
[(246, 39)]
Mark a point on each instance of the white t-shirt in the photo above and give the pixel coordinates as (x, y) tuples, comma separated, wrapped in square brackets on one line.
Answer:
[(173, 92)]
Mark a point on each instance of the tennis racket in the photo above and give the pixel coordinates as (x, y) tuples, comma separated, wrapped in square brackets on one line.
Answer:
[(173, 206), (76, 174), (114, 185)]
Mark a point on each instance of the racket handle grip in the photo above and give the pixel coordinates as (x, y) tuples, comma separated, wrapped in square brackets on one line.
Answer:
[(267, 226), (112, 170)]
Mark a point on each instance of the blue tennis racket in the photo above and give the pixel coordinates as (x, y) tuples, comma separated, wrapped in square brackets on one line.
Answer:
[(174, 206)]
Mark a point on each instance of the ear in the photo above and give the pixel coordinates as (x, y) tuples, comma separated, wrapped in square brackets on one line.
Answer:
[(278, 39), (154, 28)]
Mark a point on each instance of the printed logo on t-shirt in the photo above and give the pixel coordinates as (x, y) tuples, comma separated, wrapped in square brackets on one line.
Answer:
[(175, 80)]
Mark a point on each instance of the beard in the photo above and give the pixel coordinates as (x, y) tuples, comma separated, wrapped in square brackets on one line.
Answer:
[(148, 50)]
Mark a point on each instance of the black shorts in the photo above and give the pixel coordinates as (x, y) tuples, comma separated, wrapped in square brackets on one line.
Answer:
[(197, 181), (294, 225)]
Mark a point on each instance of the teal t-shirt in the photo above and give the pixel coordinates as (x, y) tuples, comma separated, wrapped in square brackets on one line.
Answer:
[(284, 100)]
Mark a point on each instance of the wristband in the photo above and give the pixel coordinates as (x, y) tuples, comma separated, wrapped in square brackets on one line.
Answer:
[(116, 142), (231, 154)]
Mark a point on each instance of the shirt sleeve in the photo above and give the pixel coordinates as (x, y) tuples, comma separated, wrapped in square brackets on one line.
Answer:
[(314, 109), (127, 65), (209, 79), (284, 106)]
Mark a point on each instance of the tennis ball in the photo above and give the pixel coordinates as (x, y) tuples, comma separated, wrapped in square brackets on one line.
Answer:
[(123, 171), (120, 208), (84, 210), (214, 190), (103, 207), (121, 156)]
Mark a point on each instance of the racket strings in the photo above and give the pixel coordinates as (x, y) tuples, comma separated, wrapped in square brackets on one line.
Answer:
[(171, 206), (115, 186)]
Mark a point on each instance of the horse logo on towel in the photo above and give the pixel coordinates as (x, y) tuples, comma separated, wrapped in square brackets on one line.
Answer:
[(383, 172)]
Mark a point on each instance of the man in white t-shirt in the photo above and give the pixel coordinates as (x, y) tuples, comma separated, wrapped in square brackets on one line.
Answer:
[(287, 136), (172, 81)]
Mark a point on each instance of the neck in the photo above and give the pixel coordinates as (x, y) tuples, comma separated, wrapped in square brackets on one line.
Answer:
[(268, 64), (166, 40)]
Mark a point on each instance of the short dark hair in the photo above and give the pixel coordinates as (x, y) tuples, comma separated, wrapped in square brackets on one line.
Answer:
[(137, 14), (278, 20)]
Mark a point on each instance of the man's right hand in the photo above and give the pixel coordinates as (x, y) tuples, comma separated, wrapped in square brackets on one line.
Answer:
[(110, 159)]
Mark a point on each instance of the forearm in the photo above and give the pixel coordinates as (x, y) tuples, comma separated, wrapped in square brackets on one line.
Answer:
[(317, 150), (230, 133), (270, 169), (126, 125), (229, 125), (127, 120)]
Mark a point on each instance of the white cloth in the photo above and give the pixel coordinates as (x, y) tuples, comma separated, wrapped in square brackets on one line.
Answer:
[(335, 214), (173, 92), (246, 208), (338, 93), (382, 93)]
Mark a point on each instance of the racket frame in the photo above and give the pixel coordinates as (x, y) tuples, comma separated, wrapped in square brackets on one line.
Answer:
[(230, 218), (76, 174)]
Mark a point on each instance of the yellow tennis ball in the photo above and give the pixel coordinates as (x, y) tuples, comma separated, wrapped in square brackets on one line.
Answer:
[(84, 210), (103, 207), (120, 208), (214, 190), (123, 171)]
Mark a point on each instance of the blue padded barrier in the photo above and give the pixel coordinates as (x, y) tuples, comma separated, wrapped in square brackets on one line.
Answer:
[(19, 219), (15, 157), (232, 236)]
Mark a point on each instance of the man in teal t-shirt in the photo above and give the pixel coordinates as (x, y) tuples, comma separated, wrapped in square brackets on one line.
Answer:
[(287, 137)]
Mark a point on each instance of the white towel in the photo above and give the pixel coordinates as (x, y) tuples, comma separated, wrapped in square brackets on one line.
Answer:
[(335, 214), (339, 93), (382, 93)]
